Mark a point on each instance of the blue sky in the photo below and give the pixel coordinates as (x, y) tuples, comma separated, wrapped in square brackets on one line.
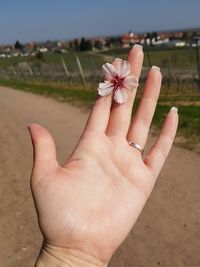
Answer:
[(40, 20)]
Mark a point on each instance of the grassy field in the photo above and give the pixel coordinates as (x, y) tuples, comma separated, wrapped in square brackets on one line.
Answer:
[(165, 57), (88, 60), (173, 58), (189, 126)]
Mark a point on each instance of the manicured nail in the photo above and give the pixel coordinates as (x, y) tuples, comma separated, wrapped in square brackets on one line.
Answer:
[(174, 109), (138, 46), (118, 59), (155, 68)]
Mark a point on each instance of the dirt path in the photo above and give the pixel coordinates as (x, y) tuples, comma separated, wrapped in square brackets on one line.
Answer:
[(168, 231)]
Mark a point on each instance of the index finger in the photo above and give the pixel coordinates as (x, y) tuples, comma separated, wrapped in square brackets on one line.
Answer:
[(100, 113)]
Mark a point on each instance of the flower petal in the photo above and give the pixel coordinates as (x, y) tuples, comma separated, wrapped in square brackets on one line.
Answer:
[(105, 88), (124, 69), (109, 71), (120, 96), (130, 82)]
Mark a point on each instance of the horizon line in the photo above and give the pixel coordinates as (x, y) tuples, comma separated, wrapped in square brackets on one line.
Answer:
[(103, 35)]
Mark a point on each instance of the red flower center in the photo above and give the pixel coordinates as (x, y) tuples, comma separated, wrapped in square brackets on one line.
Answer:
[(118, 83)]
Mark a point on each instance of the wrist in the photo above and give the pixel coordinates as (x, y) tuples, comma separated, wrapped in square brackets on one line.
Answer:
[(51, 256)]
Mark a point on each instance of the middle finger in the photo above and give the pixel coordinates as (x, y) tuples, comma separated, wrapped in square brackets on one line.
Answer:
[(121, 114)]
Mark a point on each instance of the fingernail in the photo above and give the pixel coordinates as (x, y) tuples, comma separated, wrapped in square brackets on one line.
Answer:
[(117, 58), (155, 68), (174, 109), (138, 46)]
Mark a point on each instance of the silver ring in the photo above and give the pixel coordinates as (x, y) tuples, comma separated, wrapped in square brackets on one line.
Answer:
[(137, 146)]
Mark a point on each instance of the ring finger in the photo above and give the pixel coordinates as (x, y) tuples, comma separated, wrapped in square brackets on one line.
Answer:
[(139, 129)]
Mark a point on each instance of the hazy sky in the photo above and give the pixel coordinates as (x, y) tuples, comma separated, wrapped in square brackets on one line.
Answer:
[(64, 19)]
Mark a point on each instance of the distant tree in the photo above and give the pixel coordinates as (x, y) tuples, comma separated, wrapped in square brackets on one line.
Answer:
[(85, 45), (113, 41), (71, 46), (40, 56), (186, 36), (108, 43), (151, 36), (35, 47), (76, 44), (154, 36), (18, 45), (148, 35), (98, 44), (194, 34), (89, 45)]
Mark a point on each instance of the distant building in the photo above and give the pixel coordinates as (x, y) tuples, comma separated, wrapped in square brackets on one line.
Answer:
[(129, 39), (43, 49), (98, 43)]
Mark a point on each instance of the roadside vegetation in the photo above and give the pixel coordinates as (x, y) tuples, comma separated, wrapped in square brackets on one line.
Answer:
[(189, 126), (45, 74), (181, 58)]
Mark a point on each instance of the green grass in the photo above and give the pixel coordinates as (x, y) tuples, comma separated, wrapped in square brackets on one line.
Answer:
[(88, 60), (189, 121), (76, 95), (184, 57), (165, 57), (189, 125)]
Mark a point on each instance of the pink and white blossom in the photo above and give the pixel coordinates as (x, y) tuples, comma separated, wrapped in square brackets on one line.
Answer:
[(117, 79)]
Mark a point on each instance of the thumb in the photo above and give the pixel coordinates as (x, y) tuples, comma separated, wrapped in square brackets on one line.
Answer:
[(44, 151)]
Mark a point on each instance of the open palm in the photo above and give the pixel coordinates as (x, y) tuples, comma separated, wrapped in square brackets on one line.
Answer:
[(91, 203)]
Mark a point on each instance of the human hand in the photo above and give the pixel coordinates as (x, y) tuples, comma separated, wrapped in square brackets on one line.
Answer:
[(87, 207)]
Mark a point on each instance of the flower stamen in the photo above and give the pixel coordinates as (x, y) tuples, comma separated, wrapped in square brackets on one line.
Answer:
[(118, 82)]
